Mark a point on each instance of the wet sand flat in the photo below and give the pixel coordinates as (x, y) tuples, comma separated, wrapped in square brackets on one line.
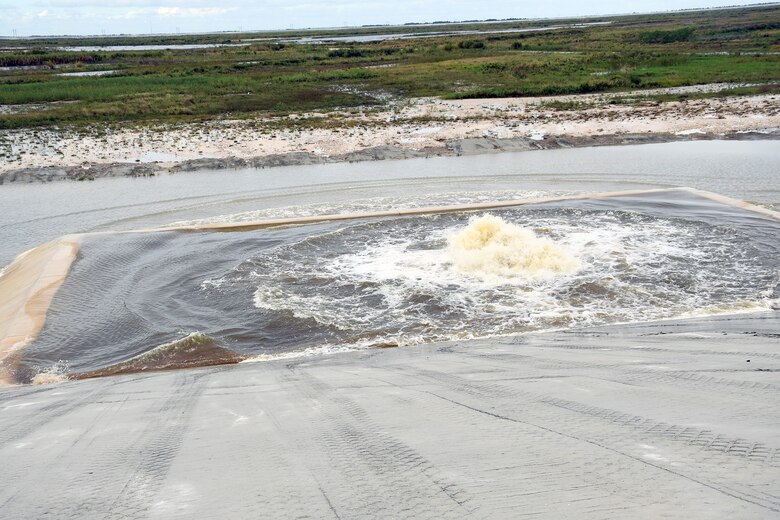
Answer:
[(674, 419)]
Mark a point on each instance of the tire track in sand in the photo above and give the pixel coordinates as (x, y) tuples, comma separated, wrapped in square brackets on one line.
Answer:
[(381, 476)]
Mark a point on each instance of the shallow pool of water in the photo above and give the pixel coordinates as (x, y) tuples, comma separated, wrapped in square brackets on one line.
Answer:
[(32, 214), (170, 299)]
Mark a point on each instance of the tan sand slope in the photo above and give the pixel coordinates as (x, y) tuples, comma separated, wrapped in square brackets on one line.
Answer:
[(27, 287)]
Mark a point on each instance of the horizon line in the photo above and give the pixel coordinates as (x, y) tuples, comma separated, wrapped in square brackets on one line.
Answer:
[(400, 25)]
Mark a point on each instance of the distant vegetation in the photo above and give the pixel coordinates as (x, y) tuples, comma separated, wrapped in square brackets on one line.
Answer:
[(678, 35), (471, 44), (43, 58), (270, 78)]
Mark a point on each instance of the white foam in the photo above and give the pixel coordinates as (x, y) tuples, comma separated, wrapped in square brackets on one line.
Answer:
[(397, 281), (57, 373)]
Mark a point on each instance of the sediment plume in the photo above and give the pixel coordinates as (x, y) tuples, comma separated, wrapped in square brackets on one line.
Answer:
[(195, 350), (489, 247)]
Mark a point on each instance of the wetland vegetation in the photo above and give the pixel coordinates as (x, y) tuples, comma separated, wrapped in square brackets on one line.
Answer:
[(262, 74)]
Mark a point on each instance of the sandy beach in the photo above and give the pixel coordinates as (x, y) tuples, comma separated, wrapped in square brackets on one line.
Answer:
[(418, 128), (672, 419)]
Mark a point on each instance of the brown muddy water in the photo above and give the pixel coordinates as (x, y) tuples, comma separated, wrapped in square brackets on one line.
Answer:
[(170, 299)]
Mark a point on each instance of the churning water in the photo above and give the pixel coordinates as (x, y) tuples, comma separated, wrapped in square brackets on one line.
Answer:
[(141, 301)]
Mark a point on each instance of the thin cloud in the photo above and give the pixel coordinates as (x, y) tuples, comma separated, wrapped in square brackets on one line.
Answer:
[(194, 11)]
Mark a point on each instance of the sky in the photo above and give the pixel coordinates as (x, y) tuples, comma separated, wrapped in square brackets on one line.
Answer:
[(79, 17)]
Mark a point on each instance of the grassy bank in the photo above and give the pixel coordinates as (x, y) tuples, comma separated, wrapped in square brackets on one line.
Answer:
[(270, 77)]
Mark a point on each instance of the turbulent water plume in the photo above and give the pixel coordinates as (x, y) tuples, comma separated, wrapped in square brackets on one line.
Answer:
[(130, 299), (491, 247)]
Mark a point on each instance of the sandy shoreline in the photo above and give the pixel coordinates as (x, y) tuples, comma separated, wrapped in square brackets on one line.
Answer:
[(28, 286), (420, 128)]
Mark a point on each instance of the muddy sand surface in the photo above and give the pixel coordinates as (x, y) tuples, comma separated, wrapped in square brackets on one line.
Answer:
[(676, 419)]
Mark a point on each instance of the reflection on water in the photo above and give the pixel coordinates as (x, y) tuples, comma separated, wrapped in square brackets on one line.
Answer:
[(365, 38), (170, 46)]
